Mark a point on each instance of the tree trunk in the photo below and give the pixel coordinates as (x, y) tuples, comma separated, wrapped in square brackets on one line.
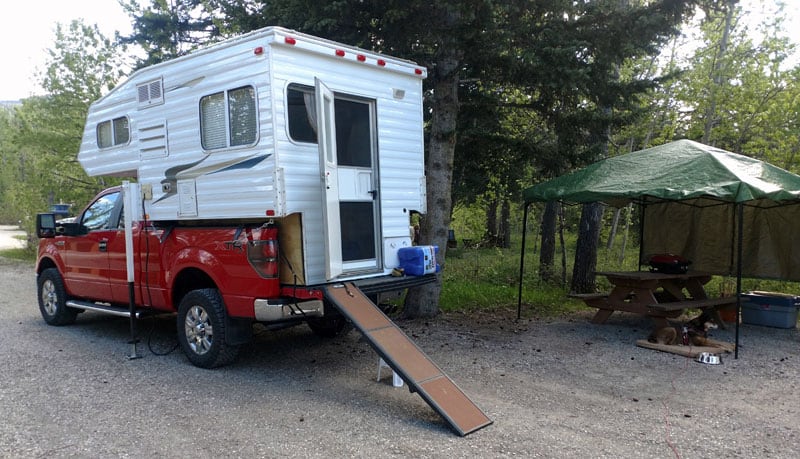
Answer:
[(586, 250), (561, 225), (424, 301), (547, 252), (613, 233), (717, 78), (504, 230), (490, 232), (628, 220)]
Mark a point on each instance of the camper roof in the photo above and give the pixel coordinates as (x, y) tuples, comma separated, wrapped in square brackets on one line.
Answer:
[(287, 37)]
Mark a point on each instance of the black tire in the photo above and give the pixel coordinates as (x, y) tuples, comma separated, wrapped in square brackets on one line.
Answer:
[(201, 329), (53, 299)]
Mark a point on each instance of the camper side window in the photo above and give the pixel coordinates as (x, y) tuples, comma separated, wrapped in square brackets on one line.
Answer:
[(228, 119), (301, 113), (113, 132)]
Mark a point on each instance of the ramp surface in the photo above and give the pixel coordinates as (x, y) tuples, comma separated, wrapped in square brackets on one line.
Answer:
[(407, 360)]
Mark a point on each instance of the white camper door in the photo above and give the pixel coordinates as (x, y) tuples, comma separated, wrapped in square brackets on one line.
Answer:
[(331, 219), (346, 127)]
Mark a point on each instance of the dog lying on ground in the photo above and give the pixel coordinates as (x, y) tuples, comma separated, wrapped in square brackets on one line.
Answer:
[(694, 332)]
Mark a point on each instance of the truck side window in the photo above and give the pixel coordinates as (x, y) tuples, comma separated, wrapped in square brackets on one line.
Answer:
[(100, 214), (301, 113), (229, 118)]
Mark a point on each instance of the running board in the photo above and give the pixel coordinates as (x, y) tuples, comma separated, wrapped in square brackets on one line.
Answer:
[(407, 359), (101, 308)]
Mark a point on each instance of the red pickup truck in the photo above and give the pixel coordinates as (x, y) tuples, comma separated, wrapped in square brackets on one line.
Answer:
[(219, 277)]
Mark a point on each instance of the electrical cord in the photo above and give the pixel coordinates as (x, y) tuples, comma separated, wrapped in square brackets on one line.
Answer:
[(150, 335)]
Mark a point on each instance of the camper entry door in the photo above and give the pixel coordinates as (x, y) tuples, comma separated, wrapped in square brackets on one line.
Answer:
[(348, 163)]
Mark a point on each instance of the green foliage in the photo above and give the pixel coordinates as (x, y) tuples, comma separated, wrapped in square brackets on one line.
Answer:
[(41, 137), (166, 29)]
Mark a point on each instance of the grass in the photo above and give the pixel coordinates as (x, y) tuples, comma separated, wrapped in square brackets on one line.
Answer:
[(19, 254), (488, 279)]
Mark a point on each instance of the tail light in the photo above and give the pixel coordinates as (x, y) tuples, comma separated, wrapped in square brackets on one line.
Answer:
[(263, 253)]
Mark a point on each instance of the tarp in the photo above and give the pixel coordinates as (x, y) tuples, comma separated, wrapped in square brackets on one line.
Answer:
[(689, 193)]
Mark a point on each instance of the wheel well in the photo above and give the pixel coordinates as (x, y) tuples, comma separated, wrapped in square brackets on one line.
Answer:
[(188, 280), (45, 263)]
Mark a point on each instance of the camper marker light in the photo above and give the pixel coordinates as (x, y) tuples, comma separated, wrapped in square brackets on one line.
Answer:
[(361, 57), (258, 51), (270, 213), (340, 52), (418, 71), (289, 41), (381, 62)]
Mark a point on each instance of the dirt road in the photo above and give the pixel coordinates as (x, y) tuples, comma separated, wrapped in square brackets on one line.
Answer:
[(554, 388), (9, 237)]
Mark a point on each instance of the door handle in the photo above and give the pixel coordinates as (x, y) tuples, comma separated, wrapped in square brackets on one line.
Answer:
[(103, 246), (374, 194)]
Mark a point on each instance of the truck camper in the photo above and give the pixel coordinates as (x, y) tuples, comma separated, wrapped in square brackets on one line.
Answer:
[(271, 178)]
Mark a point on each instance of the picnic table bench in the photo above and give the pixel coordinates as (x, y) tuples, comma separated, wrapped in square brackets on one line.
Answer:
[(659, 296)]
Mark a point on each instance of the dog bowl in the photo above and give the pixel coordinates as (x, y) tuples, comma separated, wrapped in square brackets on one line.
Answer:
[(709, 358)]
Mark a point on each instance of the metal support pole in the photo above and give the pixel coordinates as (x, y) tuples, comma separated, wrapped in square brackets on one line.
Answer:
[(740, 251), (132, 309), (128, 203)]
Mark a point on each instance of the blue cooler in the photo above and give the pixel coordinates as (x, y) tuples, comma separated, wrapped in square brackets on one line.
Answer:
[(418, 260), (770, 309)]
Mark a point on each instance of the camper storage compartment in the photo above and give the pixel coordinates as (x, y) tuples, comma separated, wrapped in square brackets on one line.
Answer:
[(770, 309)]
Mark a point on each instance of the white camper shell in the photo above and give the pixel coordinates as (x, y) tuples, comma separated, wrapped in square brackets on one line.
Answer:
[(323, 138)]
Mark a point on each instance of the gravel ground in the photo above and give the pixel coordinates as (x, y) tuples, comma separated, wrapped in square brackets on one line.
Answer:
[(554, 387)]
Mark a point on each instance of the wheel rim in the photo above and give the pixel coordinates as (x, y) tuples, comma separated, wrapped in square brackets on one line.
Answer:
[(49, 298), (199, 331)]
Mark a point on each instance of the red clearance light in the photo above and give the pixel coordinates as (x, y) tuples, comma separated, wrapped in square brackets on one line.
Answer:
[(361, 57), (381, 62), (270, 213), (290, 41), (340, 52), (258, 51), (418, 71)]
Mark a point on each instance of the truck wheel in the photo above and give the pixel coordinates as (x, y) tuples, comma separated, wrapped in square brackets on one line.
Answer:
[(53, 299), (201, 329)]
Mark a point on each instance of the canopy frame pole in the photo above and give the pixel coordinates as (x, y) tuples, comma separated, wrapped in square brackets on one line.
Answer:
[(740, 251), (522, 259), (642, 207)]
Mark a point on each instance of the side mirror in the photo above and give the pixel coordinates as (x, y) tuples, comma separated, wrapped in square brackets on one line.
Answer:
[(45, 225)]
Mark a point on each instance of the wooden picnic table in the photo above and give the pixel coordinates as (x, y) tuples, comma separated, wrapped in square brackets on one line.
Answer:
[(656, 295)]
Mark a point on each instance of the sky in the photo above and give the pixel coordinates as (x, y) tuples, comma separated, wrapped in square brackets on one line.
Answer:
[(27, 30)]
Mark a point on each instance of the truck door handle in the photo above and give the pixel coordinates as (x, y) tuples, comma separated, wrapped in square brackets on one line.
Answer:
[(103, 246)]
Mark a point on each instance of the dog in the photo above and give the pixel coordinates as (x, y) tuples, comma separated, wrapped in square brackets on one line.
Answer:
[(694, 332)]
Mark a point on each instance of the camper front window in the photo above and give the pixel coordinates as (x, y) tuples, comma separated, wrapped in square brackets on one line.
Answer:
[(113, 132), (228, 119)]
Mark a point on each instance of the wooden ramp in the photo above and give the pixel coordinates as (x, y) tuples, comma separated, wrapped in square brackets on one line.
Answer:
[(408, 360)]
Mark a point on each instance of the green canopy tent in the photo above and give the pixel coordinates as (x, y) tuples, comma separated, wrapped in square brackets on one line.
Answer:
[(730, 214)]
